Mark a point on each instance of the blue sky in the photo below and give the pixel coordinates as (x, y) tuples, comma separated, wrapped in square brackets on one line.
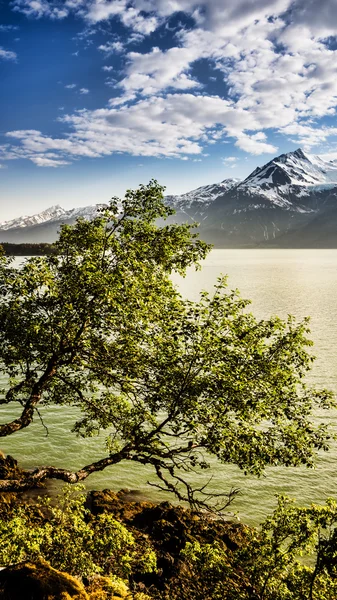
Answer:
[(100, 95)]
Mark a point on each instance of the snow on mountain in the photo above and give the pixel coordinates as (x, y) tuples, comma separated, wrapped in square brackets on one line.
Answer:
[(283, 182), (202, 195), (51, 215), (285, 196), (288, 179), (294, 168)]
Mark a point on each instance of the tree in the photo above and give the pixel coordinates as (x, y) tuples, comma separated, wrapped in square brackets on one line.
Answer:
[(99, 325), (292, 556)]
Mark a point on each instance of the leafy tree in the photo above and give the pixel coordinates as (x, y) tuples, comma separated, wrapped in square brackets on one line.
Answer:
[(100, 326), (292, 556)]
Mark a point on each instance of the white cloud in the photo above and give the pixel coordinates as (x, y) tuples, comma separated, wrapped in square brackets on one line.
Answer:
[(111, 48), (84, 91), (108, 69), (70, 86), (42, 8), (229, 161), (7, 54), (42, 161), (144, 16), (157, 70), (255, 144), (111, 82), (320, 17), (278, 71), (4, 28), (307, 135), (176, 126)]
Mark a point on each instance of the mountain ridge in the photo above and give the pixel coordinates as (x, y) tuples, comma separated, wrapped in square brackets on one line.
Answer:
[(283, 196)]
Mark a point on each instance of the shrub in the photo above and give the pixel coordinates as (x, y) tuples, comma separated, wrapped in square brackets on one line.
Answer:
[(68, 537)]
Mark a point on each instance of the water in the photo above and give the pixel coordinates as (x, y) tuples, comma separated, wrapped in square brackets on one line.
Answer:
[(282, 282)]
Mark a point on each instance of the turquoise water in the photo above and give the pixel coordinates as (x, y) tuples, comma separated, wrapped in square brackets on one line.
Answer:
[(298, 282)]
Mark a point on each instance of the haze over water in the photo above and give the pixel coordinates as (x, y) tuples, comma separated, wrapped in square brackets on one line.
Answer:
[(281, 282)]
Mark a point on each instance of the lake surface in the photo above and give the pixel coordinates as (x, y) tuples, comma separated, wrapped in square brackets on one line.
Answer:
[(279, 282)]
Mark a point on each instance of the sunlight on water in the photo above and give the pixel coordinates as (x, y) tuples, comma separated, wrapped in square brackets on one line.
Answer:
[(282, 282)]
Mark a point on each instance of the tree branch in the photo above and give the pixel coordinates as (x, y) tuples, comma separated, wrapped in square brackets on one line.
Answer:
[(27, 414), (34, 478)]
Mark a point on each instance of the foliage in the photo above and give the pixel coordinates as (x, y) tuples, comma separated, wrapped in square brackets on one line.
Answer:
[(69, 539), (292, 557), (112, 588), (100, 326), (27, 249)]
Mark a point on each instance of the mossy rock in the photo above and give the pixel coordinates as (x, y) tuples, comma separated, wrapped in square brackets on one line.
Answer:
[(39, 581)]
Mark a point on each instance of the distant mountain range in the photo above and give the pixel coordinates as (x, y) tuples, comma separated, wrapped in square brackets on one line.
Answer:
[(291, 202)]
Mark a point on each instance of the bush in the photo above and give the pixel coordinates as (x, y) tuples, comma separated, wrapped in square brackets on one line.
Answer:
[(292, 557), (69, 538)]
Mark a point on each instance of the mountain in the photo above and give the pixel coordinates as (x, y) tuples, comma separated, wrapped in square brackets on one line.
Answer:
[(44, 226), (289, 202), (295, 168), (50, 214), (277, 199)]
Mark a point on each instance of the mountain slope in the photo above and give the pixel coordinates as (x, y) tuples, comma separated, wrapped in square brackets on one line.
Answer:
[(282, 196), (295, 168), (280, 203), (44, 226), (50, 214)]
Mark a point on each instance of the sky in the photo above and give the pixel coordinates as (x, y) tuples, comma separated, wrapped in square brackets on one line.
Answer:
[(98, 96)]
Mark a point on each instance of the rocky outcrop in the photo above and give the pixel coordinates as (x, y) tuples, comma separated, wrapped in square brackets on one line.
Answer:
[(167, 528), (39, 581), (164, 528)]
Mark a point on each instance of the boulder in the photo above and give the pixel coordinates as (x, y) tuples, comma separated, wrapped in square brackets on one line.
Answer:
[(39, 581)]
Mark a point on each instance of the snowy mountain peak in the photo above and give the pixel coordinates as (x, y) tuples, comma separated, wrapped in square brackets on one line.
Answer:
[(289, 191), (295, 168), (202, 195), (51, 213)]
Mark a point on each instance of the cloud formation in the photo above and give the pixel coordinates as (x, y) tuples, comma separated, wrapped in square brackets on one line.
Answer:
[(111, 48), (275, 58), (7, 54), (4, 28)]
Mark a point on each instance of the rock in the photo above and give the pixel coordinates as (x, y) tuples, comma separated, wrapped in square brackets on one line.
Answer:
[(166, 528), (9, 467), (39, 581)]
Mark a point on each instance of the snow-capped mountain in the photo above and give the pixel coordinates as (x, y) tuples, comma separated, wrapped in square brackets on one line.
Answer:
[(54, 213), (295, 168), (291, 202), (282, 196), (44, 226), (50, 214), (294, 174), (204, 195)]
